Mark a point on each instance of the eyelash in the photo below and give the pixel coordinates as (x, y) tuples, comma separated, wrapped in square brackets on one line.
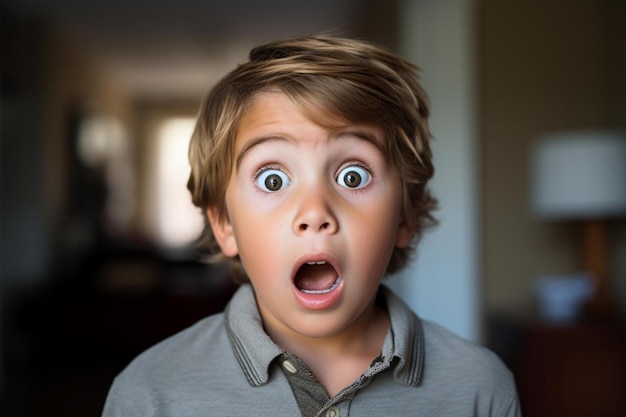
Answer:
[(357, 164), (264, 168)]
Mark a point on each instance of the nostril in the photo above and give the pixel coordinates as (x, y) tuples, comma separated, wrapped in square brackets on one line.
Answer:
[(323, 227)]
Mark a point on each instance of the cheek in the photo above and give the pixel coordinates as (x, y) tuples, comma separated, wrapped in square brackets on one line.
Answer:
[(383, 219), (375, 229), (257, 237), (382, 210)]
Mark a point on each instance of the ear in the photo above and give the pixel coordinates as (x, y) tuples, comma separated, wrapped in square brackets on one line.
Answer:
[(223, 232), (405, 235)]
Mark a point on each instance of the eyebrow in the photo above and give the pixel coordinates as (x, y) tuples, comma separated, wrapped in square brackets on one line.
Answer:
[(256, 142), (361, 134), (364, 135)]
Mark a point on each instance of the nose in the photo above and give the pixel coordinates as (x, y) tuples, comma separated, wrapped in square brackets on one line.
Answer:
[(315, 214)]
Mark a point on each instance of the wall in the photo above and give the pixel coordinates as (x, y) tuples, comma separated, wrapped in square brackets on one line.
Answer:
[(47, 77), (74, 81), (615, 14), (22, 239), (442, 283), (543, 66)]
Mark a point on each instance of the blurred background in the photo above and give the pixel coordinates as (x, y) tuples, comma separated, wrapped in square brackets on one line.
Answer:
[(96, 225)]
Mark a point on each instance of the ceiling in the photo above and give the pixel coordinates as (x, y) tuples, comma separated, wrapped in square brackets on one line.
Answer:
[(174, 48)]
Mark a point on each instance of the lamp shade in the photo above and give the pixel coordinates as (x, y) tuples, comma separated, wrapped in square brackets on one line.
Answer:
[(578, 175)]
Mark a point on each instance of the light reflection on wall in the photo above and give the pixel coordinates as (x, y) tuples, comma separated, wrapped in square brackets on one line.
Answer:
[(104, 144), (179, 222)]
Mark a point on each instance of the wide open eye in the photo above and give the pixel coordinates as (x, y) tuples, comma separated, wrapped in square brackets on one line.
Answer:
[(272, 180), (353, 177)]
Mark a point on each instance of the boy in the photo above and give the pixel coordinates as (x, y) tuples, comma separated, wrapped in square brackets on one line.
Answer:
[(311, 162)]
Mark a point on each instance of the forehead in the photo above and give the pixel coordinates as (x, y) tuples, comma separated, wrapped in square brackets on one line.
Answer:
[(275, 106), (274, 110)]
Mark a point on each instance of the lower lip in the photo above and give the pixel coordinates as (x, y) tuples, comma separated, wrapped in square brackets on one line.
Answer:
[(319, 301)]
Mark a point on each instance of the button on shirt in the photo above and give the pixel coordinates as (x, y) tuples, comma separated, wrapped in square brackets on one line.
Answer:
[(227, 365)]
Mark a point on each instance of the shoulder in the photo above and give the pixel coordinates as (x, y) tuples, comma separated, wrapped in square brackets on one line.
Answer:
[(455, 364), (172, 368), (207, 335), (443, 345)]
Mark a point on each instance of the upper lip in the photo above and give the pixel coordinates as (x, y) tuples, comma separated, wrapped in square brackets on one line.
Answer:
[(316, 257)]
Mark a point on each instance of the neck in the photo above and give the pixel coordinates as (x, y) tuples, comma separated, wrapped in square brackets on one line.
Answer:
[(337, 360)]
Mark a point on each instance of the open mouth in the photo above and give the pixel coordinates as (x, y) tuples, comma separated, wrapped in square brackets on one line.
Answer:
[(316, 278)]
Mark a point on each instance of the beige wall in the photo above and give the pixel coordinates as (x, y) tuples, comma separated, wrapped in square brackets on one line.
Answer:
[(72, 78), (544, 65)]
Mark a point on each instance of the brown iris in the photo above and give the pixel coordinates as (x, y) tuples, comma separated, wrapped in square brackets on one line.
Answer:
[(352, 179), (273, 182)]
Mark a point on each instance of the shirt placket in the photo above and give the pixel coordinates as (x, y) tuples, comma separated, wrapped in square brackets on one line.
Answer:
[(312, 399)]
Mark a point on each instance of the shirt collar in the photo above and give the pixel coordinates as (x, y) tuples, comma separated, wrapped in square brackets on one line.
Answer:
[(405, 340), (255, 350)]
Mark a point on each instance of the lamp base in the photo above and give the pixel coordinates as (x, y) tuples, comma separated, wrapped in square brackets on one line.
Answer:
[(602, 303)]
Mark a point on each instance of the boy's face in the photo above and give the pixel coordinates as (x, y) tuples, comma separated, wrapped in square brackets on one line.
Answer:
[(313, 214)]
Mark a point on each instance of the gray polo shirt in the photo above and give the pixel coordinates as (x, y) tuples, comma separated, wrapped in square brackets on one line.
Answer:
[(226, 365)]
